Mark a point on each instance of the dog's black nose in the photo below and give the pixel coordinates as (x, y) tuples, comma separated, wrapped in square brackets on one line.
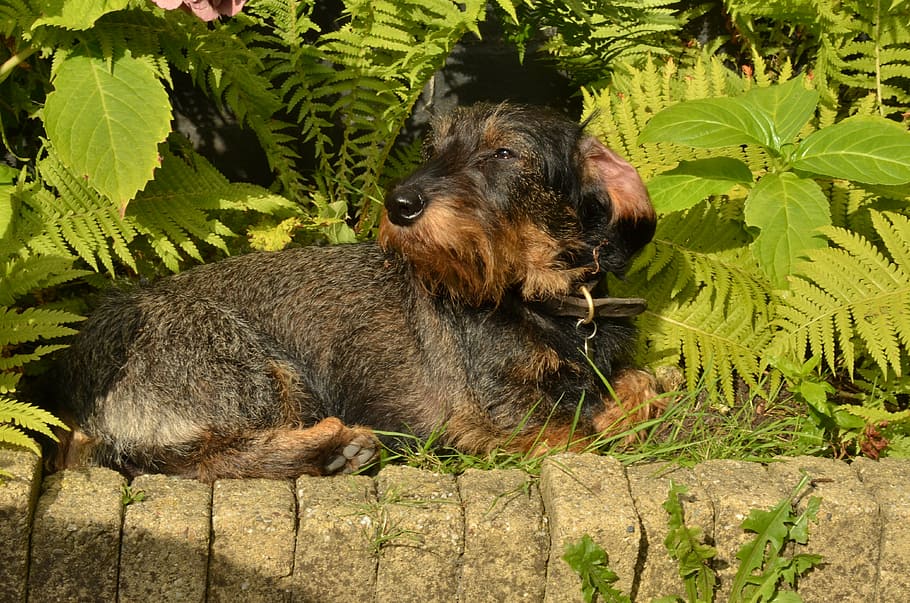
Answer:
[(404, 205)]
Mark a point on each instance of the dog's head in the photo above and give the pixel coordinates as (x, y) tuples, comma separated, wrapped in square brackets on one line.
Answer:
[(516, 198)]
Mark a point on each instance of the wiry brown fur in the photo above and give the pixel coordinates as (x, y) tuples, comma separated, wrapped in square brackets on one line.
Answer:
[(281, 364)]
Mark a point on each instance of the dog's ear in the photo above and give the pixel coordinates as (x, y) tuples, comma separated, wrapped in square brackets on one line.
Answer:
[(612, 182)]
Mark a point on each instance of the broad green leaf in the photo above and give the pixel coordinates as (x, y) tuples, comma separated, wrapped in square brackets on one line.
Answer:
[(106, 122), (787, 210), (787, 107), (865, 149), (76, 14), (706, 123), (692, 181), (770, 117)]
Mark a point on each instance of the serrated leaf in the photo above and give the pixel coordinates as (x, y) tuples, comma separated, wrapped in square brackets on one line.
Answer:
[(590, 561), (865, 149), (76, 14), (685, 545), (692, 181), (760, 558), (106, 122), (787, 107), (788, 211)]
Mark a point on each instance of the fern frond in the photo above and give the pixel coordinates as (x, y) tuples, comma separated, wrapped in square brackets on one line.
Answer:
[(28, 416), (174, 209), (592, 36), (876, 416), (77, 220), (865, 299), (872, 54), (34, 324), (715, 341), (708, 303), (375, 84), (22, 275), (8, 382), (16, 417), (16, 437)]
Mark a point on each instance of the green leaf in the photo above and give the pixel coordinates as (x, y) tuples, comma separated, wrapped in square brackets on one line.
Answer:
[(760, 558), (590, 562), (866, 149), (685, 545), (8, 174), (106, 122), (770, 117), (693, 181), (786, 107), (788, 211), (76, 14), (705, 123)]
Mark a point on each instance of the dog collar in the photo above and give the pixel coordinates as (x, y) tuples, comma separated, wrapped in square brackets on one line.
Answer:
[(587, 308)]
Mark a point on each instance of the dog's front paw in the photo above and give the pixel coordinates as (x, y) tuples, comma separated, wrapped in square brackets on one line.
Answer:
[(360, 450), (636, 400)]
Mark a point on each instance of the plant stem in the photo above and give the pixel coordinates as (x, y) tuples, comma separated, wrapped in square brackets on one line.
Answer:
[(876, 35), (14, 61)]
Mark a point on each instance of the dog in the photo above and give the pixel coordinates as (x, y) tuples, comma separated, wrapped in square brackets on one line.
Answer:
[(472, 312)]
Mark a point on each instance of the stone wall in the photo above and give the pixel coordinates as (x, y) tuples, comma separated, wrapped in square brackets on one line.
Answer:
[(413, 535)]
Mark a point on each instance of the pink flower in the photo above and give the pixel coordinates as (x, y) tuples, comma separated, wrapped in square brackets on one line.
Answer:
[(207, 10)]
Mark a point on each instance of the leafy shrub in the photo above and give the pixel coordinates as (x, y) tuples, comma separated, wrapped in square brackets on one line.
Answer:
[(766, 190)]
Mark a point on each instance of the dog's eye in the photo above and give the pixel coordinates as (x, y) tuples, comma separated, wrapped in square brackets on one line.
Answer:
[(504, 154)]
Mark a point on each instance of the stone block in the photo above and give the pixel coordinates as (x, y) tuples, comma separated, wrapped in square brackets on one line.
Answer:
[(20, 483), (253, 536), (506, 541), (421, 527), (650, 485), (588, 494), (735, 488), (75, 549), (888, 481), (165, 543), (335, 560)]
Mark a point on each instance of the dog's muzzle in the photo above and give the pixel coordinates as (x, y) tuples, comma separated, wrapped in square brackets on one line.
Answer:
[(404, 205)]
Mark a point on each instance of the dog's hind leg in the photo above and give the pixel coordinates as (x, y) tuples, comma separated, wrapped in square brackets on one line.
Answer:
[(327, 448)]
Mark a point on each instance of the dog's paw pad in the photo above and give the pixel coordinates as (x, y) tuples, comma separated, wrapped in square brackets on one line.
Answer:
[(355, 454)]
